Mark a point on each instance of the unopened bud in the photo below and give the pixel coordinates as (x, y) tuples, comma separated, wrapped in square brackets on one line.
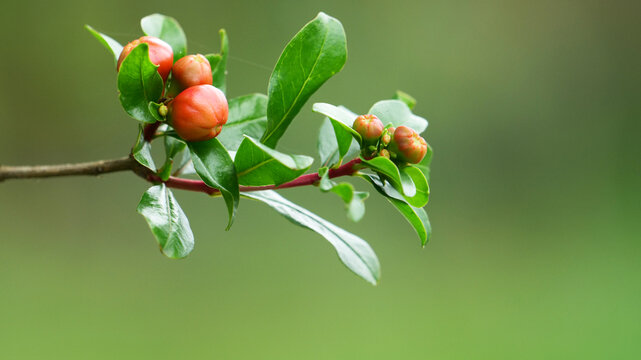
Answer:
[(369, 127), (386, 138), (408, 145), (162, 110), (384, 153)]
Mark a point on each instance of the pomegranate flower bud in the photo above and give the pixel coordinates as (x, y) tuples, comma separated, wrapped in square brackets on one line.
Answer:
[(160, 53), (387, 136), (408, 145), (369, 127), (198, 113), (190, 70)]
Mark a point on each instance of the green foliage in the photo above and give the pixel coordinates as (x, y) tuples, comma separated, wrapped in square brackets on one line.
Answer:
[(257, 164), (353, 251), (167, 221), (214, 165), (314, 55), (167, 29), (139, 84), (235, 163)]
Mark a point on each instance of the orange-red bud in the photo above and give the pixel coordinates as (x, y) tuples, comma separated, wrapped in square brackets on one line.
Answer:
[(369, 127), (188, 71), (408, 145), (160, 53), (198, 113)]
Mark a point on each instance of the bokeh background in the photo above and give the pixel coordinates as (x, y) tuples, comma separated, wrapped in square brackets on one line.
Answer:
[(534, 112)]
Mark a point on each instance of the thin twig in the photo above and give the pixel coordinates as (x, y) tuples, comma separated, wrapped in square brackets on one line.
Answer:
[(87, 168)]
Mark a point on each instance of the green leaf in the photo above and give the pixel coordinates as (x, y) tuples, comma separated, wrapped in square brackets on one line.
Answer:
[(422, 189), (415, 216), (328, 145), (139, 84), (167, 29), (219, 69), (257, 164), (111, 44), (167, 222), (153, 110), (342, 120), (353, 251), (142, 151), (214, 165), (397, 113), (247, 116), (406, 98), (313, 56), (354, 200), (173, 147)]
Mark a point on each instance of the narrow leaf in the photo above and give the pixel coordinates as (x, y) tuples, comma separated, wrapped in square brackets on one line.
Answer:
[(167, 221), (219, 70), (167, 29), (173, 147), (257, 164), (328, 145), (424, 165), (216, 168), (342, 120), (415, 216), (139, 84), (247, 116), (112, 45), (353, 251), (354, 200), (142, 151), (397, 113), (406, 98), (313, 56)]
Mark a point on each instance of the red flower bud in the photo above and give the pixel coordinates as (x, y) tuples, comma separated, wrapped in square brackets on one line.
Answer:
[(190, 70), (160, 54), (198, 113), (369, 127), (408, 145)]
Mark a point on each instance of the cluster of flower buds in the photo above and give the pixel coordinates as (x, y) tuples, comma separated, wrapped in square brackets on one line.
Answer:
[(195, 108), (401, 144)]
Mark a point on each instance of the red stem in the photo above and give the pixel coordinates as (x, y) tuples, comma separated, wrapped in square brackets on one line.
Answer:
[(150, 130), (309, 179)]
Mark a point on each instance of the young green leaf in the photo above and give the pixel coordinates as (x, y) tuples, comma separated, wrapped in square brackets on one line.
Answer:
[(406, 98), (167, 222), (139, 84), (142, 151), (112, 45), (313, 56), (354, 200), (167, 29), (247, 116), (353, 251), (422, 189), (257, 164), (328, 145), (173, 147), (415, 216), (397, 113), (342, 120), (214, 165), (218, 63)]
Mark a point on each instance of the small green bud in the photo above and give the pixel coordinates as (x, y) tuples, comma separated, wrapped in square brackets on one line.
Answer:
[(386, 138), (162, 110)]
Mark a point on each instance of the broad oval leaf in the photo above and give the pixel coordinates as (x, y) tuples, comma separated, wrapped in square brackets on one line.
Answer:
[(142, 151), (403, 182), (422, 190), (313, 56), (216, 168), (353, 251), (257, 164), (397, 113), (112, 45), (167, 29), (167, 221), (139, 84), (417, 217), (247, 116)]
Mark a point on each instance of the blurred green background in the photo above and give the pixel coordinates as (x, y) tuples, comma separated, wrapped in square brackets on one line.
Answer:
[(534, 112)]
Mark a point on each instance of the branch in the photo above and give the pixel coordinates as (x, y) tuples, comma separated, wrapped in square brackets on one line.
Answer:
[(87, 168)]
